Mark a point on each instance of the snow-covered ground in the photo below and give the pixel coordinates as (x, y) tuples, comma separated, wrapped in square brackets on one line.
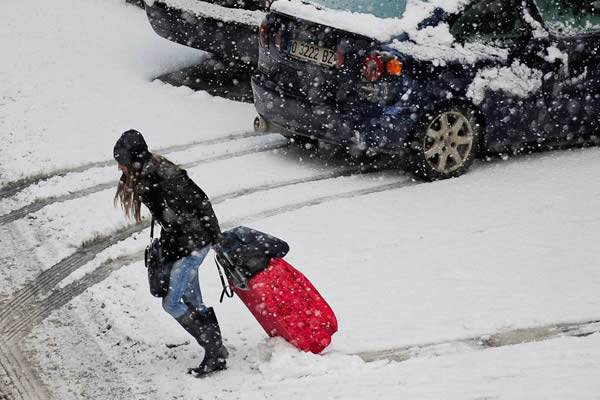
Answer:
[(512, 244)]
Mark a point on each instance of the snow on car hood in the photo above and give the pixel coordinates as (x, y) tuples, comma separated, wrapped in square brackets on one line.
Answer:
[(209, 10), (382, 29)]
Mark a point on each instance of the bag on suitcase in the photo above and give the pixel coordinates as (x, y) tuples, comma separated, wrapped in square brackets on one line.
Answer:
[(245, 252), (279, 296)]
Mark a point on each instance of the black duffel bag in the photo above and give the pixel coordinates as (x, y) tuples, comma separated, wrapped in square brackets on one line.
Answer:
[(244, 252), (159, 271)]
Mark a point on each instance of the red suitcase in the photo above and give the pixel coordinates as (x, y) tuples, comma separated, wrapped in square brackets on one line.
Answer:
[(286, 304)]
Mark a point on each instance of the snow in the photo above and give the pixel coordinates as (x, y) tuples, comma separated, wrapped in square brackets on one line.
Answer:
[(210, 10), (443, 53), (382, 29), (434, 43), (538, 30), (76, 62), (555, 54), (364, 24), (511, 244), (518, 80)]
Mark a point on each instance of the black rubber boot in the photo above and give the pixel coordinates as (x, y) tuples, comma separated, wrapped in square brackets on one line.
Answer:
[(204, 327)]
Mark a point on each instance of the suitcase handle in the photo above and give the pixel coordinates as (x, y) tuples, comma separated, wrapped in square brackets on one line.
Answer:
[(227, 290), (235, 276)]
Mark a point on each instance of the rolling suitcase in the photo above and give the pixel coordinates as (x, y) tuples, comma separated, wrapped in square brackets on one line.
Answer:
[(286, 304), (280, 297)]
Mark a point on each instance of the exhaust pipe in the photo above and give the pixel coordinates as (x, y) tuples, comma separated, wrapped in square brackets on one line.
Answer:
[(261, 125)]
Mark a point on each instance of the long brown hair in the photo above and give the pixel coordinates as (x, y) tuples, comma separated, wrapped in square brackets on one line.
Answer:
[(131, 188)]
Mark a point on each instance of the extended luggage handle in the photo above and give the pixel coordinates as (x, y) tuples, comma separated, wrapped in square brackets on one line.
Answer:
[(238, 278), (227, 290)]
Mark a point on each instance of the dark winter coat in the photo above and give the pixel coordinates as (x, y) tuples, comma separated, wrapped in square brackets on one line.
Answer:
[(181, 208)]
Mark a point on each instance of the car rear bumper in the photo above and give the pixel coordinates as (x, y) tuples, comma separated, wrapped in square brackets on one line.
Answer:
[(385, 132), (230, 33)]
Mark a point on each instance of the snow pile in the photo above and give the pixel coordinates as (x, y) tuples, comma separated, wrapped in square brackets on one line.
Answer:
[(518, 80), (279, 360)]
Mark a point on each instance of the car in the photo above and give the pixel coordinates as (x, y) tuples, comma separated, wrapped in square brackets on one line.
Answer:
[(433, 83), (225, 28)]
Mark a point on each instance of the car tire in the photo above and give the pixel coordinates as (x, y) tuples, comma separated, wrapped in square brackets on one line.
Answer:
[(445, 143)]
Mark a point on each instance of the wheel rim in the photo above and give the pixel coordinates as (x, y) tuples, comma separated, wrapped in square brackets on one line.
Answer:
[(448, 142)]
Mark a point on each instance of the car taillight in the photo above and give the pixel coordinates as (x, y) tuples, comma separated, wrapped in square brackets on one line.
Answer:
[(375, 87), (263, 36), (376, 64), (394, 67), (372, 68)]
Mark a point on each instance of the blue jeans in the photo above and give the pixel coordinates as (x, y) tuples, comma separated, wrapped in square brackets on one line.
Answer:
[(184, 287)]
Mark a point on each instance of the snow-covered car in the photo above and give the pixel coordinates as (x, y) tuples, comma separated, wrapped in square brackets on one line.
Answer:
[(434, 82), (225, 28)]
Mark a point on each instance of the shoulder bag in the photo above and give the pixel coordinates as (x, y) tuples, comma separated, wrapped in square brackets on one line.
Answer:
[(159, 271)]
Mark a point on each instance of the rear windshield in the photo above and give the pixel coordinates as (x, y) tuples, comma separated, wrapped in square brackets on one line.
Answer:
[(379, 8)]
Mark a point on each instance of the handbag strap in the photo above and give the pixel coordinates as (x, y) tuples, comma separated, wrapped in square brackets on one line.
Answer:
[(152, 229), (227, 290)]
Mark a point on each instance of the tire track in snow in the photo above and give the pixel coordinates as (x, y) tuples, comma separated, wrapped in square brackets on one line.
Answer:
[(17, 379), (499, 339), (60, 297), (39, 204), (11, 188), (19, 382), (17, 309), (321, 200), (22, 322), (7, 386), (17, 319)]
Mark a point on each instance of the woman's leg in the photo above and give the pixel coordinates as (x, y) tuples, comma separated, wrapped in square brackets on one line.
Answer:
[(193, 295), (196, 319), (184, 271)]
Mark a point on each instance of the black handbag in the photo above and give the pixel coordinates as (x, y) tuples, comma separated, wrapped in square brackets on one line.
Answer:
[(159, 271)]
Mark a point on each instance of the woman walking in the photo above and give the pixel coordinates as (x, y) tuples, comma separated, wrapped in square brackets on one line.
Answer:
[(189, 228)]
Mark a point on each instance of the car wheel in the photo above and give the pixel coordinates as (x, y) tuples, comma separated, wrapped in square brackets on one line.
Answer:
[(445, 143)]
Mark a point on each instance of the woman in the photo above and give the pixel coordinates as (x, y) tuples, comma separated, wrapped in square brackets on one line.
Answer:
[(189, 229)]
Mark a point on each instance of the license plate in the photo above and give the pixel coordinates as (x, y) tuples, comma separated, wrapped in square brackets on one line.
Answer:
[(310, 52)]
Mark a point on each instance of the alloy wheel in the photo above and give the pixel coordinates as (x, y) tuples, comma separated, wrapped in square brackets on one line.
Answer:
[(448, 142)]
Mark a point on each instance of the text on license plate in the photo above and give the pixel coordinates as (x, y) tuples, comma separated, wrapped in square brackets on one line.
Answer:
[(310, 52)]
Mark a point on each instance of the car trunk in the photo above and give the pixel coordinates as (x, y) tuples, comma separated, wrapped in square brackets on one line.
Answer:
[(308, 79)]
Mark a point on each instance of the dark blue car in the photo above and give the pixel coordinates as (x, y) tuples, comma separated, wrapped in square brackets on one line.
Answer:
[(437, 82)]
